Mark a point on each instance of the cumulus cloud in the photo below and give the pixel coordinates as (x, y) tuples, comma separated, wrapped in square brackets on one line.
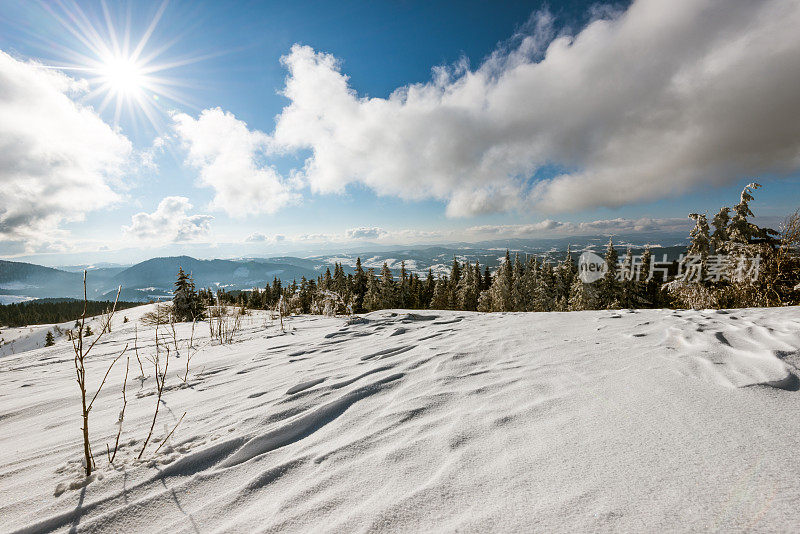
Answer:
[(636, 106), (230, 159), (57, 157), (365, 232), (169, 223), (258, 237)]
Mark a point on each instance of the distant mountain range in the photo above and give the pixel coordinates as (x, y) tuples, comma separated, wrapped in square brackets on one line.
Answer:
[(153, 279)]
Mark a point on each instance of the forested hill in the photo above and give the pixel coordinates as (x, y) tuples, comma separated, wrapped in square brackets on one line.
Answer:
[(53, 311)]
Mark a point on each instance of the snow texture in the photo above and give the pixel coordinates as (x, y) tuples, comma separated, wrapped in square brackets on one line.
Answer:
[(632, 421)]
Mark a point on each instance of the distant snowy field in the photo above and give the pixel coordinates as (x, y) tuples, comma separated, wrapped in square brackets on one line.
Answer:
[(645, 421)]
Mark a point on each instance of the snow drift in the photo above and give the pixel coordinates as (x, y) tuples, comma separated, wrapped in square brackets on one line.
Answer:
[(592, 421)]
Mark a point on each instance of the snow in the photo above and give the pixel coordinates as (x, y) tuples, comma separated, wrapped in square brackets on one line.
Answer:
[(634, 421)]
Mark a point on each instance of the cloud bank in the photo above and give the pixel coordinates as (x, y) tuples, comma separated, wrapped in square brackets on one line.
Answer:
[(58, 159), (636, 106)]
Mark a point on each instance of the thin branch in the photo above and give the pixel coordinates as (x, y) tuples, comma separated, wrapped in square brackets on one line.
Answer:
[(170, 434)]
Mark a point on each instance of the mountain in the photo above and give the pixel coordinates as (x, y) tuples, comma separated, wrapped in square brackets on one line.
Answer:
[(153, 279), (148, 280), (24, 281)]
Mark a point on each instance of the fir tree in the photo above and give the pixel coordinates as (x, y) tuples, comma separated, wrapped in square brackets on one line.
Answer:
[(49, 340)]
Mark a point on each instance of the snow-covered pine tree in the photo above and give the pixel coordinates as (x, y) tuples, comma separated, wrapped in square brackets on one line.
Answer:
[(544, 296), (519, 297), (608, 286), (567, 271), (359, 287), (467, 290), (629, 297), (372, 297), (582, 296), (388, 289), (720, 235), (700, 241), (500, 291), (441, 294), (403, 289)]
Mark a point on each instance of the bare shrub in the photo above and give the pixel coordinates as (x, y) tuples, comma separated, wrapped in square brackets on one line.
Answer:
[(81, 352)]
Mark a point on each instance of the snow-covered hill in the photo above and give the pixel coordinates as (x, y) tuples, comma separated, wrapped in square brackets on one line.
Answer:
[(643, 421)]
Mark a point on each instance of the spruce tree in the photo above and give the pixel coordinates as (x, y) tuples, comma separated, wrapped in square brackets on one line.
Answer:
[(49, 340), (500, 291), (359, 287), (388, 289), (441, 294), (372, 297), (608, 286), (186, 304), (582, 296)]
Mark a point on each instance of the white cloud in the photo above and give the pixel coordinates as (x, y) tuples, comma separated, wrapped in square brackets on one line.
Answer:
[(57, 157), (365, 232), (659, 99), (169, 223), (256, 237), (230, 157)]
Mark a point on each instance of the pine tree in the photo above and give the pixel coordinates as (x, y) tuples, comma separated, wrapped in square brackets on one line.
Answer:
[(403, 293), (700, 241), (468, 290), (519, 297), (359, 287), (388, 289), (88, 332), (581, 296), (544, 289), (500, 291), (372, 297), (441, 294), (608, 286), (486, 283), (186, 304), (566, 276), (49, 340)]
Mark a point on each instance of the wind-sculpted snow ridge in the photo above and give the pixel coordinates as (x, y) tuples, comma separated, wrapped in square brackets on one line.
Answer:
[(632, 421)]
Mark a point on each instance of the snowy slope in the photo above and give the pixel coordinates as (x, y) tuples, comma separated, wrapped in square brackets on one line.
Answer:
[(643, 421)]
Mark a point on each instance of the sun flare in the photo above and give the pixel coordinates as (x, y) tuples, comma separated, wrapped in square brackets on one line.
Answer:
[(122, 75)]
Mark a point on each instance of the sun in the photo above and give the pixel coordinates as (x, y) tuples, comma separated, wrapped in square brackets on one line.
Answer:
[(125, 76), (122, 75)]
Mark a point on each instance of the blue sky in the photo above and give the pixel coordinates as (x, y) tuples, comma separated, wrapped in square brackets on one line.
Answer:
[(455, 162)]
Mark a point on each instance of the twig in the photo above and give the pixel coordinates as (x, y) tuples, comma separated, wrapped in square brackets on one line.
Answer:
[(122, 413), (170, 434)]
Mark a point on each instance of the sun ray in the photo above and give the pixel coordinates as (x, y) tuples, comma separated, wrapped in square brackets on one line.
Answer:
[(127, 70)]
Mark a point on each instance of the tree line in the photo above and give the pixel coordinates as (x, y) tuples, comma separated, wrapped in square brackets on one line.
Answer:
[(534, 284), (53, 311)]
